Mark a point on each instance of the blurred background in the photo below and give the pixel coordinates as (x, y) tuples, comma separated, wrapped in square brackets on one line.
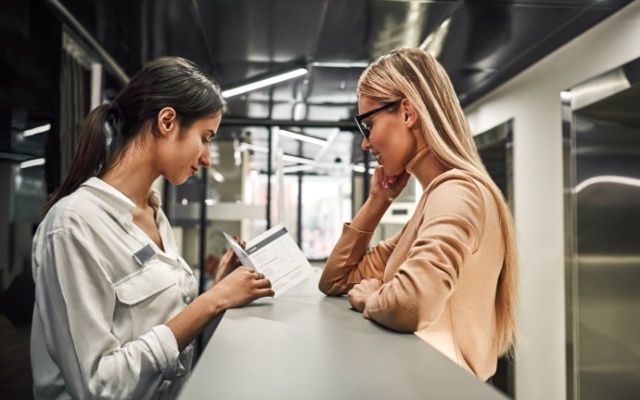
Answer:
[(550, 90)]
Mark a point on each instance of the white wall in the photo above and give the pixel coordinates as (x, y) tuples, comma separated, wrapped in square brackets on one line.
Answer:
[(532, 99)]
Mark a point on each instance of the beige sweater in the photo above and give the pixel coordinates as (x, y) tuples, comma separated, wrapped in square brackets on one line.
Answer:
[(439, 273)]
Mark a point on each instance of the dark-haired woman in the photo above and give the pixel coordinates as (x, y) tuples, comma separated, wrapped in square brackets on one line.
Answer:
[(117, 308)]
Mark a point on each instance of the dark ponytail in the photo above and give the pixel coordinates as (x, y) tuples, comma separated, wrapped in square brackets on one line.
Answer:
[(111, 127), (91, 154)]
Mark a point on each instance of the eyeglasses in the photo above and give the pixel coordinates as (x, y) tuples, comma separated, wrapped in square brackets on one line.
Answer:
[(360, 118)]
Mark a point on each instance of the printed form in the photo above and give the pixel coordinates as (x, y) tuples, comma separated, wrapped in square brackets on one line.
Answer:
[(277, 256)]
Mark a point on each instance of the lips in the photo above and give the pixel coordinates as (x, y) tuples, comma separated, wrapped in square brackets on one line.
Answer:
[(378, 157)]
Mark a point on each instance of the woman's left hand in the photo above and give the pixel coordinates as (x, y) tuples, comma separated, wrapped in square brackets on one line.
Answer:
[(228, 263), (359, 294), (388, 187)]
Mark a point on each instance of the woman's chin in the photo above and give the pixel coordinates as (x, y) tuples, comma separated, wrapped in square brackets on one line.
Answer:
[(177, 181), (391, 172)]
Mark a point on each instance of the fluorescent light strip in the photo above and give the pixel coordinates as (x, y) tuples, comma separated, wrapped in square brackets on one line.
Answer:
[(302, 138), (264, 82), (32, 163), (36, 130), (338, 64), (287, 157)]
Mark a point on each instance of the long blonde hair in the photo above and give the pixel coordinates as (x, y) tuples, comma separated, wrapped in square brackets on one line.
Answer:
[(417, 76)]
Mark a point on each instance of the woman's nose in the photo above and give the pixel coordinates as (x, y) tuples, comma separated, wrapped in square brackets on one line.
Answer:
[(365, 144), (205, 159)]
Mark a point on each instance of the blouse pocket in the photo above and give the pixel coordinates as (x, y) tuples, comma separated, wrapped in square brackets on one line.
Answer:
[(146, 298), (145, 284)]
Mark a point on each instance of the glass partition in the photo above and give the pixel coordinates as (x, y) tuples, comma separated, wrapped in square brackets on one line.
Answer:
[(326, 206)]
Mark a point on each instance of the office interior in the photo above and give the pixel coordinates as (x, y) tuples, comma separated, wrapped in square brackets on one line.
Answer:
[(550, 90)]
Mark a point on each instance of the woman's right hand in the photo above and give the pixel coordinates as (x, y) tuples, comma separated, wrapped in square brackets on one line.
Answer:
[(388, 187), (240, 287), (243, 285)]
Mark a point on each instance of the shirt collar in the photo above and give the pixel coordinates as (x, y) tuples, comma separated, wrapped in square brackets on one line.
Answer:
[(113, 196), (120, 204)]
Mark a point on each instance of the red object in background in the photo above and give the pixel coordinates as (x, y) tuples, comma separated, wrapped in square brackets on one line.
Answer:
[(211, 264)]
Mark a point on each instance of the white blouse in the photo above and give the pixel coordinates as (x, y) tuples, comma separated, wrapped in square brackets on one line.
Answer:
[(104, 291)]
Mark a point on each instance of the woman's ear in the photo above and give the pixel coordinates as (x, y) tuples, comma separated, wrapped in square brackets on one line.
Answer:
[(167, 121), (409, 113)]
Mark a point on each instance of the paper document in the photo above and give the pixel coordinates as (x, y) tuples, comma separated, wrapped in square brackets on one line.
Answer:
[(277, 256)]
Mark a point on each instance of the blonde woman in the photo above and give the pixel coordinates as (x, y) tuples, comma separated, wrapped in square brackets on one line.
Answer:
[(451, 274)]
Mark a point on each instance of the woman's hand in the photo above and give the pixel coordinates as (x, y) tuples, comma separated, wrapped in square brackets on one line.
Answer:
[(229, 262), (359, 294), (242, 286), (388, 187)]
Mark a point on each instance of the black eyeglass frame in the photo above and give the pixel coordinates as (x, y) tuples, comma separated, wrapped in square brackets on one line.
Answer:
[(361, 117)]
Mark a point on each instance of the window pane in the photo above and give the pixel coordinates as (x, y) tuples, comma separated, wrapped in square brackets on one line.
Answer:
[(326, 205)]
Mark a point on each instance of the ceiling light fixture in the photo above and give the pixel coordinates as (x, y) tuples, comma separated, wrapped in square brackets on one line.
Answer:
[(263, 80), (299, 160), (340, 64), (302, 137), (36, 130), (285, 157), (32, 163)]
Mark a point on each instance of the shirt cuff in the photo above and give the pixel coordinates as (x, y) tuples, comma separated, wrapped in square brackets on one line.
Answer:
[(164, 347)]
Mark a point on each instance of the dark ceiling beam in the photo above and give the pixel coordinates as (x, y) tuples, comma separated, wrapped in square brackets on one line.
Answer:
[(65, 16), (314, 50), (346, 125), (196, 15)]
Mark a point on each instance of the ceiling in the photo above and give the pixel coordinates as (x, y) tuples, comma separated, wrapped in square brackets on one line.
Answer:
[(480, 43)]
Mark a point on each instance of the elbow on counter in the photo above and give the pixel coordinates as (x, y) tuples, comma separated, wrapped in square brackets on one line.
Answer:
[(403, 316), (325, 287), (331, 288)]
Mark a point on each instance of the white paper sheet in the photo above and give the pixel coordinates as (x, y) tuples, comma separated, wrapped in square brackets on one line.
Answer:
[(277, 256)]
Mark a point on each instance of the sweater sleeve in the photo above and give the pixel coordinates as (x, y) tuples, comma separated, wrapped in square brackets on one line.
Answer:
[(449, 231), (350, 262), (77, 301)]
